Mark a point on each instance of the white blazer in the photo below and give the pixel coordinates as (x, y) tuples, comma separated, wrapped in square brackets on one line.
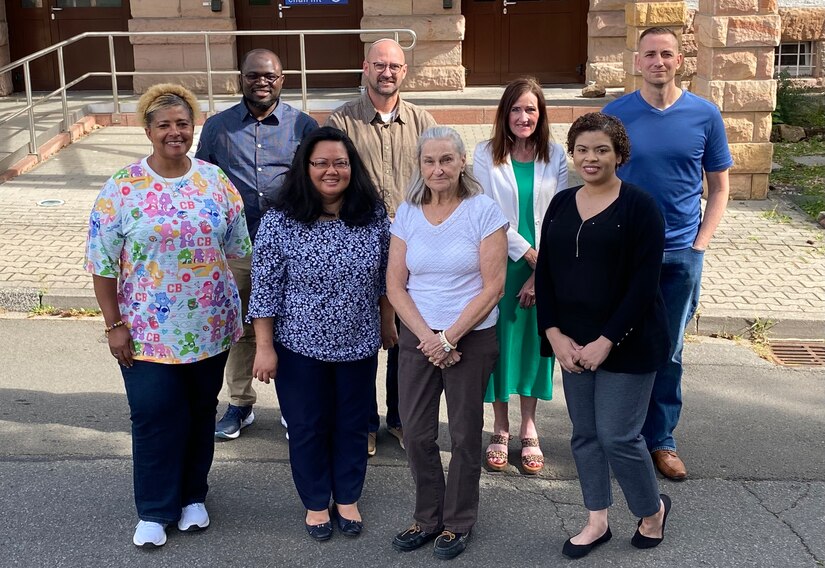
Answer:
[(499, 183)]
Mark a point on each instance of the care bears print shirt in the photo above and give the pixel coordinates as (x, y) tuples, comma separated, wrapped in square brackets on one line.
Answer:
[(167, 242)]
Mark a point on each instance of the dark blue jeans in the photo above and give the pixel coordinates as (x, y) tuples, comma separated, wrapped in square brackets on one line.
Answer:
[(326, 405), (680, 283), (173, 433), (393, 419)]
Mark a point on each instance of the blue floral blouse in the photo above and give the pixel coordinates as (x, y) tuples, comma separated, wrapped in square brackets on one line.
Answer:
[(321, 282)]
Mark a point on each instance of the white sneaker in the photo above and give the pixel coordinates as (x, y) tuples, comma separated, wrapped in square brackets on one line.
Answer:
[(149, 534), (283, 423), (193, 518)]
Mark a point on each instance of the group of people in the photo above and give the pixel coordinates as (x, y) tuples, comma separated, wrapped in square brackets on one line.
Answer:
[(371, 232)]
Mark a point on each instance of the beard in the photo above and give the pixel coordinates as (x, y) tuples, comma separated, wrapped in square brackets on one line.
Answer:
[(261, 104)]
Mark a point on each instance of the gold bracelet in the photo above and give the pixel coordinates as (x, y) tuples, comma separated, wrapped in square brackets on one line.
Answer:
[(118, 323)]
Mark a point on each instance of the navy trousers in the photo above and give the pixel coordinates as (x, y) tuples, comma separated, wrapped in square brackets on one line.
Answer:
[(327, 407), (173, 433)]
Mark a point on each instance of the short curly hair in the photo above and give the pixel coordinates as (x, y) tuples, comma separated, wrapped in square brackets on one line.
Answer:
[(166, 95), (600, 122)]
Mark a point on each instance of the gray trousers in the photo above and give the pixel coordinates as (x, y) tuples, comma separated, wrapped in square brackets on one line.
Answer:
[(607, 411), (453, 503)]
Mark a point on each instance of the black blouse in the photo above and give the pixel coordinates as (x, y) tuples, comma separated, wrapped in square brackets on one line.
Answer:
[(601, 277)]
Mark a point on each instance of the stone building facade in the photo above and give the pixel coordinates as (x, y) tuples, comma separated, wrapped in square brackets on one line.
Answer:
[(437, 62), (731, 48)]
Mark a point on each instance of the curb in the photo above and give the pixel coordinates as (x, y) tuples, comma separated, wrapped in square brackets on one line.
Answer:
[(729, 322), (722, 323)]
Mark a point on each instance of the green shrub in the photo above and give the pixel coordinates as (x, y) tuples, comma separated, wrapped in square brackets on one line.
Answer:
[(798, 106)]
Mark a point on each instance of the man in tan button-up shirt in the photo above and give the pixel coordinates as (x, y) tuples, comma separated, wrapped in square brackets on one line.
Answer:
[(385, 130)]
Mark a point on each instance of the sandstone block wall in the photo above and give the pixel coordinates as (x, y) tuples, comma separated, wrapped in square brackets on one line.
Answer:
[(605, 42), (435, 62), (171, 53), (689, 49), (736, 40), (5, 55)]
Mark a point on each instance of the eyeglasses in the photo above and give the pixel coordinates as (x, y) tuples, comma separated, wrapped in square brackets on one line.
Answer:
[(380, 67), (255, 77), (325, 164)]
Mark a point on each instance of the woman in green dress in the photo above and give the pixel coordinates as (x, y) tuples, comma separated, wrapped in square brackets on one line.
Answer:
[(521, 169)]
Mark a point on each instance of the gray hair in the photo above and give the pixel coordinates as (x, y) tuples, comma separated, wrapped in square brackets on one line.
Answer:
[(417, 192)]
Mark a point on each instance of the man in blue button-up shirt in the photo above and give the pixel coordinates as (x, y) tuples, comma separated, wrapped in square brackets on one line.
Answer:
[(254, 143)]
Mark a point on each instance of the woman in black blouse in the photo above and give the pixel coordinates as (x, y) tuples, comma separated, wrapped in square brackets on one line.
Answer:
[(600, 309)]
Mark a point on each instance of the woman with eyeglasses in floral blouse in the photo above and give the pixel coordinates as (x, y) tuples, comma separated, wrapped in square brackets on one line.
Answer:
[(320, 315)]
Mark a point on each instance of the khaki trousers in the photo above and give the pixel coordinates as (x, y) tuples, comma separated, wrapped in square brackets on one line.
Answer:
[(238, 371)]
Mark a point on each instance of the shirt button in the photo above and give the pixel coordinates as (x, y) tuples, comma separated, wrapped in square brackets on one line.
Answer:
[(261, 193), (260, 169), (260, 146)]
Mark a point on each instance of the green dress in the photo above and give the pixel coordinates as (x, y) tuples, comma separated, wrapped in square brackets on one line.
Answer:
[(520, 369)]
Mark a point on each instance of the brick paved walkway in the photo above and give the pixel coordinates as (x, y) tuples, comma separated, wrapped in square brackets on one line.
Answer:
[(767, 260)]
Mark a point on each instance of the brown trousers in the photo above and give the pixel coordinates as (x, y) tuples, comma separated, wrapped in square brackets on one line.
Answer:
[(454, 504)]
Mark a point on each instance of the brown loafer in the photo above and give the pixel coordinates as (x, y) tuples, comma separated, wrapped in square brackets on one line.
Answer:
[(669, 464)]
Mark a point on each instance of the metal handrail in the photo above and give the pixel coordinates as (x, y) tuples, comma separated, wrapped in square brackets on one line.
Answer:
[(25, 62)]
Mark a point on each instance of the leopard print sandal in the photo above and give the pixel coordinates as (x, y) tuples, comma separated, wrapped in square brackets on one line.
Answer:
[(527, 460), (494, 456)]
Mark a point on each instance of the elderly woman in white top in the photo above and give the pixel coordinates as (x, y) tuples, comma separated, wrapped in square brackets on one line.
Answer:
[(521, 170), (448, 254)]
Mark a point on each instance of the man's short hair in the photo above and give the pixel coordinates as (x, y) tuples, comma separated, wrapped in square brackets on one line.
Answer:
[(659, 30)]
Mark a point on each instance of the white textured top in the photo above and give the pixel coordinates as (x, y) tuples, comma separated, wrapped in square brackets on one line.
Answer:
[(443, 260)]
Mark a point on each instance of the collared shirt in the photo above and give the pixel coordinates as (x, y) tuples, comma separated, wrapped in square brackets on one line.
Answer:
[(387, 149), (255, 154)]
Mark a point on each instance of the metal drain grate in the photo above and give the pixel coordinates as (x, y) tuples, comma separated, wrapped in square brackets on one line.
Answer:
[(798, 354)]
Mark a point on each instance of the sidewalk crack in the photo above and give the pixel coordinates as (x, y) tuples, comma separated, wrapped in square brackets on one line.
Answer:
[(778, 515), (555, 504)]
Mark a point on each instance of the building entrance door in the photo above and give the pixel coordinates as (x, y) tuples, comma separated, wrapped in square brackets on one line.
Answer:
[(504, 40), (37, 24), (322, 52)]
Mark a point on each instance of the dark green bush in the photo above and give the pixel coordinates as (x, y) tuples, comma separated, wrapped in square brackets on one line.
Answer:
[(798, 106)]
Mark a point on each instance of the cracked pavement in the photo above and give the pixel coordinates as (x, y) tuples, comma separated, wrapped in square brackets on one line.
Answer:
[(752, 435)]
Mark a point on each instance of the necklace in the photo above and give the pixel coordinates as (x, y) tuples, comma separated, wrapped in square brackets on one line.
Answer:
[(176, 182), (441, 216)]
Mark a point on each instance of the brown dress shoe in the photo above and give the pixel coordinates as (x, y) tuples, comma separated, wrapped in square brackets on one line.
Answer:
[(669, 464)]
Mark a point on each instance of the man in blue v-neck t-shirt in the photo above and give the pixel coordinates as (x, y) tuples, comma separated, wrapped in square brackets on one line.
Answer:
[(675, 137)]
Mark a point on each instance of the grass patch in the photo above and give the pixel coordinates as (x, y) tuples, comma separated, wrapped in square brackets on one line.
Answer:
[(804, 185), (774, 215), (61, 313)]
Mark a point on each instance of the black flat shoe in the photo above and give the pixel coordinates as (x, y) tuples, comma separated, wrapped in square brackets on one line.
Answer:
[(571, 550), (641, 541), (320, 532), (347, 527), (449, 544), (413, 538)]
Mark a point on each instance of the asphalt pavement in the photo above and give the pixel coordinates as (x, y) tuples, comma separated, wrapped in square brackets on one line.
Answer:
[(752, 435)]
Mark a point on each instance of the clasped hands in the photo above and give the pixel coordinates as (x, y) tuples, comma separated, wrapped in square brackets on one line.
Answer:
[(575, 358), (432, 348)]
